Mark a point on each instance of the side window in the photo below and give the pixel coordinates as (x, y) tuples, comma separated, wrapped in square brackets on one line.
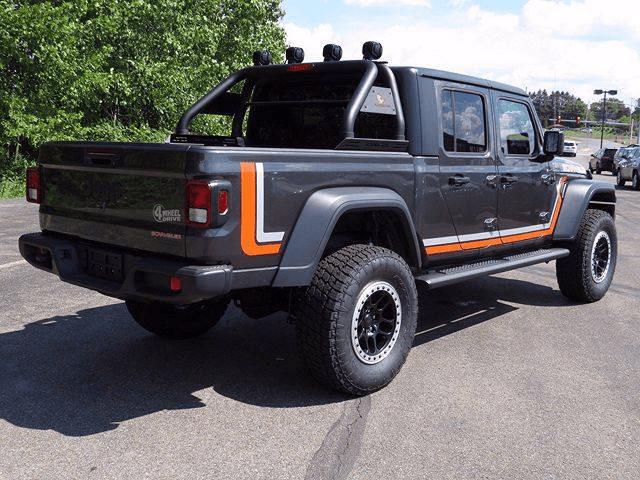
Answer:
[(517, 136), (463, 122)]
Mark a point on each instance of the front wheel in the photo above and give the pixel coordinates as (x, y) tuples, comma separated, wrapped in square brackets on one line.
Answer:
[(357, 319), (586, 274), (177, 321)]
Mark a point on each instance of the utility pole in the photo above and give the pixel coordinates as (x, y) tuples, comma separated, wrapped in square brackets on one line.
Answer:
[(604, 108)]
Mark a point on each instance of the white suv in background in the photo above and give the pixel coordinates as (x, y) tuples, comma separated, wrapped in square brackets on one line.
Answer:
[(570, 148)]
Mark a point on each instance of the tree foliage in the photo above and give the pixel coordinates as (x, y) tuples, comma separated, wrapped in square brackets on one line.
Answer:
[(563, 104), (118, 70), (616, 109)]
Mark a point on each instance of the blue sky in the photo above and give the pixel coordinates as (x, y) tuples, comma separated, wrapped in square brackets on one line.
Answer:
[(574, 45)]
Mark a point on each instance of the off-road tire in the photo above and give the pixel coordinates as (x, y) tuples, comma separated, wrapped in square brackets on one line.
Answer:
[(335, 311), (586, 274), (619, 180), (177, 322), (635, 181)]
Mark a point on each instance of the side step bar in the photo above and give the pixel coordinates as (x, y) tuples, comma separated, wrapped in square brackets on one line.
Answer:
[(447, 276)]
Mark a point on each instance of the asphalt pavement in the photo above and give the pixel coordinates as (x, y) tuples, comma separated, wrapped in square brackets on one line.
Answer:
[(506, 379)]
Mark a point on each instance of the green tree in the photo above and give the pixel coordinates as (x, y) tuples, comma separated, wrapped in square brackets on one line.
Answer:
[(118, 70)]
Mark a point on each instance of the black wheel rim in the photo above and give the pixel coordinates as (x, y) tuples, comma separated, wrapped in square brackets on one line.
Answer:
[(600, 257), (376, 322)]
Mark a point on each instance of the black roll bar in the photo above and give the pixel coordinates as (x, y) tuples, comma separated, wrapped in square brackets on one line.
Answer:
[(182, 128), (358, 98), (391, 78)]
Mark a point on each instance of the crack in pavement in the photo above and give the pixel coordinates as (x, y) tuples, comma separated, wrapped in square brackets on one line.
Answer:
[(340, 448)]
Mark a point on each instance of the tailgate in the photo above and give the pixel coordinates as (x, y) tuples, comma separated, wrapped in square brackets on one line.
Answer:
[(122, 194)]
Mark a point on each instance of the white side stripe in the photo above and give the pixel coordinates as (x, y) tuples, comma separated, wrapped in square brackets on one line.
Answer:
[(261, 235), (430, 242)]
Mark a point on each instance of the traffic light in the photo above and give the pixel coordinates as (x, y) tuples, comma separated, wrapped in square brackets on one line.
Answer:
[(559, 120), (577, 120)]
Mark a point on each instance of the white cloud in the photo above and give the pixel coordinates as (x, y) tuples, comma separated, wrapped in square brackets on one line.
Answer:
[(531, 49), (312, 40), (579, 18)]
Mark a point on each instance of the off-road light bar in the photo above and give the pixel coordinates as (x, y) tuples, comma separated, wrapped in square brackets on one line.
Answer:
[(371, 50), (261, 58), (332, 53), (294, 55)]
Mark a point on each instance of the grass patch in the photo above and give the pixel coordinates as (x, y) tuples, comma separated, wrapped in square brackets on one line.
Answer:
[(12, 187), (608, 135)]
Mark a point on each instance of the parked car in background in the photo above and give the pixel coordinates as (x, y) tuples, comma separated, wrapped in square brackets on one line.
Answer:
[(621, 154), (602, 160), (629, 168), (570, 148)]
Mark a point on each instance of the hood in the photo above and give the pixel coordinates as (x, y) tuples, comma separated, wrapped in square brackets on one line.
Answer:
[(564, 165)]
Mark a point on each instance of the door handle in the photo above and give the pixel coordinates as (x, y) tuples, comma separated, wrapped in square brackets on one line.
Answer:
[(458, 180), (508, 179), (548, 178), (493, 180)]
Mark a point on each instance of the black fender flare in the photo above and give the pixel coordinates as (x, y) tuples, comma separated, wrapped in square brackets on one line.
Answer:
[(578, 196), (315, 225)]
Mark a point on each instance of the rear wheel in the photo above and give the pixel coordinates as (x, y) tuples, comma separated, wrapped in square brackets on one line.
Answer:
[(586, 274), (635, 181), (177, 321), (357, 319), (619, 180), (598, 169)]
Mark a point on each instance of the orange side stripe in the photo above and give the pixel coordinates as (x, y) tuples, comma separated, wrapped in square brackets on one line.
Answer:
[(453, 247), (477, 244), (248, 214)]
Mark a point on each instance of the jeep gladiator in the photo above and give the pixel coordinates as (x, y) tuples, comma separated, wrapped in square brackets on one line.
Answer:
[(339, 187)]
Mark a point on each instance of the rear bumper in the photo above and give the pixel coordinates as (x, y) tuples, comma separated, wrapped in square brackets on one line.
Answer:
[(140, 278), (606, 164)]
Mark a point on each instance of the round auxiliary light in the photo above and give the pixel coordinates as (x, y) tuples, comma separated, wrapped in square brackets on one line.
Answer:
[(332, 53), (295, 55), (371, 50), (261, 58)]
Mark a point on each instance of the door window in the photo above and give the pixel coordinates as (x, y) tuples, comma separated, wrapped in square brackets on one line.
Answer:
[(463, 122), (517, 136)]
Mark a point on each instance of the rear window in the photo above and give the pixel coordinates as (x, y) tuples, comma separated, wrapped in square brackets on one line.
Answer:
[(306, 110)]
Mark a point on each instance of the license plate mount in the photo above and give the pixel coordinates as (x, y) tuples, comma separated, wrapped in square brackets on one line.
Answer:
[(102, 263)]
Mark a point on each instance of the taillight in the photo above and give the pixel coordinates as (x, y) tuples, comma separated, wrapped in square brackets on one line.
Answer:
[(223, 202), (33, 185), (198, 208), (207, 202), (175, 284)]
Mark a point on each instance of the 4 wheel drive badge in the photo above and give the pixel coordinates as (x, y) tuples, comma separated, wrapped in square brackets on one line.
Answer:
[(160, 214)]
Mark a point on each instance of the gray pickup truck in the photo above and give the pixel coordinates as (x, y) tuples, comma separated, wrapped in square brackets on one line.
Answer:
[(340, 185)]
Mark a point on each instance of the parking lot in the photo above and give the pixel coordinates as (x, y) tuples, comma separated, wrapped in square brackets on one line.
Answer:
[(506, 379)]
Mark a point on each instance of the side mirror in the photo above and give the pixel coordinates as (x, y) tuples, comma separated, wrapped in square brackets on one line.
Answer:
[(553, 142)]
